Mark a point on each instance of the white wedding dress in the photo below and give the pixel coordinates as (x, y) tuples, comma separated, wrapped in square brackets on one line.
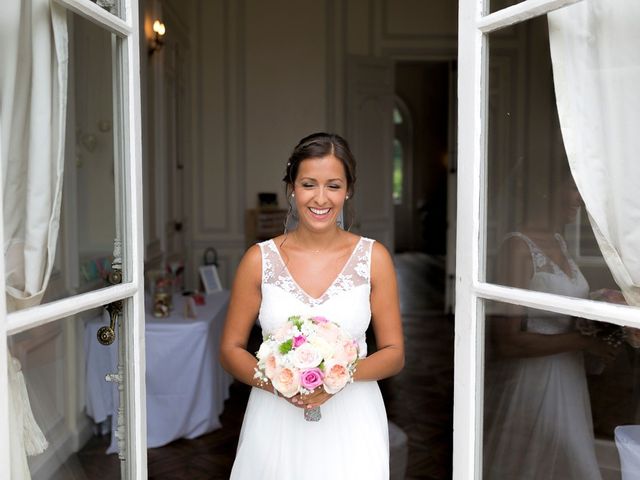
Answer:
[(538, 423), (351, 440)]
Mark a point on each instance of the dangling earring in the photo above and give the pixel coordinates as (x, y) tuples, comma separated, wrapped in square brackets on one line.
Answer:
[(286, 219)]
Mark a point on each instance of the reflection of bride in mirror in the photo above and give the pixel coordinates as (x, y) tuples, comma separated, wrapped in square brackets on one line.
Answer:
[(537, 411)]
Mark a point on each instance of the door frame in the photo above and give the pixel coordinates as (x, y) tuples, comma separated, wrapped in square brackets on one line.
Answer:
[(129, 199), (472, 289)]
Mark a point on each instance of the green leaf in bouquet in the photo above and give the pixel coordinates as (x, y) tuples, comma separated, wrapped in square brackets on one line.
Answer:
[(296, 320), (285, 347)]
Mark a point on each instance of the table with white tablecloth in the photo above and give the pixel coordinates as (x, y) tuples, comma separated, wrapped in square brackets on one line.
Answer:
[(186, 385), (627, 439)]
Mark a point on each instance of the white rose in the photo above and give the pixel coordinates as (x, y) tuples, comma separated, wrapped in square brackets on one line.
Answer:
[(306, 356), (264, 350), (324, 348)]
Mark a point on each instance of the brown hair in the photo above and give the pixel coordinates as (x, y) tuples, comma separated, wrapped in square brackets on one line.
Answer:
[(318, 145)]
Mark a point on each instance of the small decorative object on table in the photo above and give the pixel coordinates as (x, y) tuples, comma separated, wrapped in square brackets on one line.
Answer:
[(189, 305), (161, 289), (161, 304), (199, 298), (175, 269), (306, 353), (210, 279), (210, 257), (610, 333)]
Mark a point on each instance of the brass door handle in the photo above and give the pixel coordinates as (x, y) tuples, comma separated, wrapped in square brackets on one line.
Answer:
[(107, 335)]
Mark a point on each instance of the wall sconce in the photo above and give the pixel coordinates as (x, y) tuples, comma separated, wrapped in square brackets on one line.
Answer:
[(157, 42)]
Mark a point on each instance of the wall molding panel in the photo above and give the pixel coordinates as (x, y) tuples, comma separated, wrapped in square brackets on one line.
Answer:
[(217, 180)]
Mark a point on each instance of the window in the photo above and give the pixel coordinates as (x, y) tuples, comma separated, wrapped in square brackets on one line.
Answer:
[(514, 190), (402, 143)]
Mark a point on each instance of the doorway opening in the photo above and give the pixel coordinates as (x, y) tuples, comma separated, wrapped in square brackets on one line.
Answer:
[(420, 398)]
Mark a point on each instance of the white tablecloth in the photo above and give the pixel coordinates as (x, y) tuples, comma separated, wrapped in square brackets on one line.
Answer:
[(628, 444), (186, 386)]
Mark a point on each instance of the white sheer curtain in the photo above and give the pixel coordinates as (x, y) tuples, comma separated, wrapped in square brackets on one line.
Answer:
[(595, 51), (33, 90)]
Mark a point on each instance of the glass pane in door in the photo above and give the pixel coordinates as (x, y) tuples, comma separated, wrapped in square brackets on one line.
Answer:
[(495, 5), (537, 227), (556, 399), (64, 368), (115, 7), (92, 164)]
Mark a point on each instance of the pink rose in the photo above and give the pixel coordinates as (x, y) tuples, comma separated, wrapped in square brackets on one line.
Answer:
[(298, 340), (336, 378), (320, 320), (311, 378), (286, 381)]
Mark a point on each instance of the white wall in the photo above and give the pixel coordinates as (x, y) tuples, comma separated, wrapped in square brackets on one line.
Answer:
[(268, 73), (264, 74), (285, 86)]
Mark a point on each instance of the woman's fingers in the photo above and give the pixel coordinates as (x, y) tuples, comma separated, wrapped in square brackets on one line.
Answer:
[(313, 399), (296, 401), (317, 398)]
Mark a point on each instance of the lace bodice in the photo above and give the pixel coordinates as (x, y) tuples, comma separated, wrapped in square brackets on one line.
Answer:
[(346, 301), (550, 278)]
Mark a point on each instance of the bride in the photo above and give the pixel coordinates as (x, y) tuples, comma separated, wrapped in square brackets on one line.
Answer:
[(538, 422), (318, 269)]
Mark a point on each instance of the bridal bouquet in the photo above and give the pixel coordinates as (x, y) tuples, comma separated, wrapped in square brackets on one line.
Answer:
[(306, 353), (612, 334)]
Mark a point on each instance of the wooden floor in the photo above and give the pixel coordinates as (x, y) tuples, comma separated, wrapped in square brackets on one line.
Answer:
[(419, 400)]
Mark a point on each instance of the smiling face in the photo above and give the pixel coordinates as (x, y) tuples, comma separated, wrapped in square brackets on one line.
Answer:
[(320, 189)]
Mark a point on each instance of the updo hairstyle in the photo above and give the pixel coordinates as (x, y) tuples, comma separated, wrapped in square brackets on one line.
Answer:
[(318, 145)]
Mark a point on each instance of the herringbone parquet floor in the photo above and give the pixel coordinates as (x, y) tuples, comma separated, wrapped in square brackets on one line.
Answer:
[(419, 399)]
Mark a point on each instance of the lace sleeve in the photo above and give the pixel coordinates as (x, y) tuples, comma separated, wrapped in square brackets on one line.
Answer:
[(539, 260), (269, 262)]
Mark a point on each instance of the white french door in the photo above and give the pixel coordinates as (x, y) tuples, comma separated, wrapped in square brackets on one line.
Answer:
[(99, 259), (370, 128), (511, 180)]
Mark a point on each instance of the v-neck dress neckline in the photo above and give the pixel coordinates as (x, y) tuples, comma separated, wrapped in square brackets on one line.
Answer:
[(332, 284)]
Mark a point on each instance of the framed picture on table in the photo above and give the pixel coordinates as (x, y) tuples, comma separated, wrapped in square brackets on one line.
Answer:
[(210, 279)]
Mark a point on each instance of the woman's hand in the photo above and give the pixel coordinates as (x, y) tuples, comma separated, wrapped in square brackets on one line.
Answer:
[(602, 350), (311, 400)]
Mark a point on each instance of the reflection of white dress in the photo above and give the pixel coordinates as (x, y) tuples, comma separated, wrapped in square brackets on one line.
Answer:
[(351, 440), (538, 423)]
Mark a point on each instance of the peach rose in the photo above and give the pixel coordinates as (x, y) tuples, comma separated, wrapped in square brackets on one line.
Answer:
[(286, 381), (270, 366), (283, 332), (335, 378), (350, 351), (328, 331)]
